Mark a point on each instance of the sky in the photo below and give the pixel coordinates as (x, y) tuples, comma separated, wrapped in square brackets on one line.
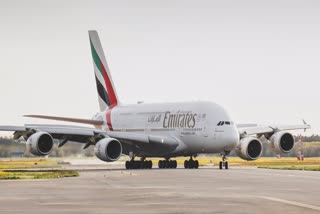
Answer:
[(258, 59)]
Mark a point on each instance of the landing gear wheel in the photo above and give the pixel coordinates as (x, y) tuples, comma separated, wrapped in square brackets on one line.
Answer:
[(191, 164), (128, 165), (186, 164), (170, 164), (167, 164), (174, 164), (149, 164), (160, 164), (220, 165), (136, 164), (143, 164), (224, 163), (196, 164)]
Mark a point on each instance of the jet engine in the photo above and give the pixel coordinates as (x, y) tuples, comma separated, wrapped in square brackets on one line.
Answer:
[(40, 144), (108, 149), (282, 142), (249, 148)]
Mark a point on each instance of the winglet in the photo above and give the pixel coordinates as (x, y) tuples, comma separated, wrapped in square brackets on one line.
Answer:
[(305, 123)]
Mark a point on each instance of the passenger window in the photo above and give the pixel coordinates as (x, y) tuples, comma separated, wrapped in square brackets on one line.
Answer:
[(227, 123)]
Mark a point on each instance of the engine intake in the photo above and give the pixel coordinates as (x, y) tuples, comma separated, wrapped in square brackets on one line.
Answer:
[(249, 148), (108, 149), (40, 144), (282, 142)]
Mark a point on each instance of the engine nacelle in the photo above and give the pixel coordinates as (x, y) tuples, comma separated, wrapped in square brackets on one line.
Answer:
[(249, 148), (282, 142), (108, 149), (40, 144)]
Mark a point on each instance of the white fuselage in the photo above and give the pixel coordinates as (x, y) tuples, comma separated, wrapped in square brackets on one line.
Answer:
[(193, 124)]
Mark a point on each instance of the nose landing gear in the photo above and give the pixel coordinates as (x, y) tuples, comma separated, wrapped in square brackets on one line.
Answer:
[(224, 163)]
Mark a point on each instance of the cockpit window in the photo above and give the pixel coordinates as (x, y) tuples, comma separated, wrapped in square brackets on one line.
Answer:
[(228, 123)]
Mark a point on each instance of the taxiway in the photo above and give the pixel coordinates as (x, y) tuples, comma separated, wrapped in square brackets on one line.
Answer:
[(112, 189)]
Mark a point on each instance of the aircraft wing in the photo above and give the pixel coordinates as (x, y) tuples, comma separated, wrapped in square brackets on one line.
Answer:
[(260, 130), (59, 132), (89, 135), (245, 125)]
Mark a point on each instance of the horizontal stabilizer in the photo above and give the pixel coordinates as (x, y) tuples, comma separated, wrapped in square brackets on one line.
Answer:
[(68, 119)]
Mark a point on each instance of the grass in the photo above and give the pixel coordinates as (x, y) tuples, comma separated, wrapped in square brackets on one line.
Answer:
[(37, 174), (27, 163), (294, 167), (20, 169)]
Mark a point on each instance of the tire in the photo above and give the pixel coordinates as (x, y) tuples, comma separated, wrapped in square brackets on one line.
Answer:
[(191, 164), (128, 165), (164, 165), (143, 164), (160, 164), (186, 164), (196, 164), (172, 164), (136, 165), (220, 165), (150, 164), (226, 166), (175, 164)]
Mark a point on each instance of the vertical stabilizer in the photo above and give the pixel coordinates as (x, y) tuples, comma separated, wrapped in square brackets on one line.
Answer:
[(106, 92)]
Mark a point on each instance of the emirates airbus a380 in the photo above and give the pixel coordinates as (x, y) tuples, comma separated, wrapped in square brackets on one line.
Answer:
[(165, 130)]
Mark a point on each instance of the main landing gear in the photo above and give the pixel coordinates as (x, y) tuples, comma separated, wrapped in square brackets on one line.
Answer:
[(191, 164), (224, 162), (142, 164), (167, 164)]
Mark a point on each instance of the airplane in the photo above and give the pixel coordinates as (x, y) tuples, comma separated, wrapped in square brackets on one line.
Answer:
[(159, 130)]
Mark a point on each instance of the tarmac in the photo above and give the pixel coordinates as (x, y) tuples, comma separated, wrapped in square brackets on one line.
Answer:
[(112, 189)]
